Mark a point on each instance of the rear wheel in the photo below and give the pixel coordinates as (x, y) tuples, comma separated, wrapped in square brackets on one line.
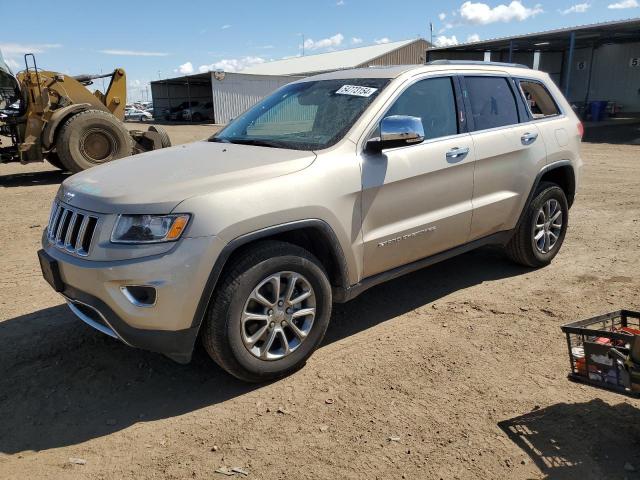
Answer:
[(269, 313), (541, 233), (91, 138)]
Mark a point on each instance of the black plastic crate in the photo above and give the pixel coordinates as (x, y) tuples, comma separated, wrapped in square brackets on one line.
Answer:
[(589, 342)]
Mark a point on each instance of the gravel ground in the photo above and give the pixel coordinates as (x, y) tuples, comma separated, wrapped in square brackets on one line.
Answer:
[(456, 371)]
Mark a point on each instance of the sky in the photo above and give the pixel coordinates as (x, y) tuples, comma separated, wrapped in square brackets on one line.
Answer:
[(164, 39)]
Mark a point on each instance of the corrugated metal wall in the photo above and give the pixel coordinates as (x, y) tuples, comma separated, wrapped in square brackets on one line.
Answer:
[(237, 92), (412, 54), (614, 78)]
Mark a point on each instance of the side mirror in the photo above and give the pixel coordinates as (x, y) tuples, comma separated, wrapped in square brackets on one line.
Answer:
[(397, 131)]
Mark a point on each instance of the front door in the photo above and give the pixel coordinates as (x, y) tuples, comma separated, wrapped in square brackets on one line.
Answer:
[(417, 199)]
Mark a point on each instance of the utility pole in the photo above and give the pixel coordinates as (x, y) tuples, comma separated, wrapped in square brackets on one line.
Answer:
[(431, 32)]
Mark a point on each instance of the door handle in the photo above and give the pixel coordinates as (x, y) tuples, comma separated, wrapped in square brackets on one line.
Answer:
[(528, 138), (457, 153)]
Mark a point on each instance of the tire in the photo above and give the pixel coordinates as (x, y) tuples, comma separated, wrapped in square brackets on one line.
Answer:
[(53, 159), (525, 247), (91, 138), (224, 333), (164, 136), (142, 119)]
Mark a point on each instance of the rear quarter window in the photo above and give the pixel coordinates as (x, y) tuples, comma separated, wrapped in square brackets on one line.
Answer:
[(540, 102)]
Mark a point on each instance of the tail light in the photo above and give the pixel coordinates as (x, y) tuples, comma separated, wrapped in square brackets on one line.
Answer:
[(580, 129)]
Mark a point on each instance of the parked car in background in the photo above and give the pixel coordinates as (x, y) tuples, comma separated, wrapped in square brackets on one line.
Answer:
[(199, 112), (175, 113), (136, 114), (331, 185)]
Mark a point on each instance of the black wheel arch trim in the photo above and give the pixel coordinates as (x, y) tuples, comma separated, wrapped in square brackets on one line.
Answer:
[(233, 245), (546, 169)]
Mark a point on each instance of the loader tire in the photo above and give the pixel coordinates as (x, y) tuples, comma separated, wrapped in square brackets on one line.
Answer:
[(164, 136), (91, 138), (54, 159)]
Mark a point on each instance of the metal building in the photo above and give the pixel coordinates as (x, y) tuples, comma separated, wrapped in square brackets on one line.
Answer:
[(598, 62), (233, 93)]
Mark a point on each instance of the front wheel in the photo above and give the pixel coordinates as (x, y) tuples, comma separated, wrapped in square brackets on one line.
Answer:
[(541, 233), (269, 313)]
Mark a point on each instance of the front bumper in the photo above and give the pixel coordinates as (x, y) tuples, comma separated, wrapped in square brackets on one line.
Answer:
[(93, 291)]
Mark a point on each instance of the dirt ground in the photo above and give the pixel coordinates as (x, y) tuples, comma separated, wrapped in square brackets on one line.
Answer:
[(456, 371)]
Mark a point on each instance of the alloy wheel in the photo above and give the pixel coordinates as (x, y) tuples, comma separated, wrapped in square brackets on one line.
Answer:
[(548, 226), (278, 315)]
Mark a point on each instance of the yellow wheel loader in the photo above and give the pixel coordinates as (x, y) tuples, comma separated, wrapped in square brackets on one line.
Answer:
[(53, 116)]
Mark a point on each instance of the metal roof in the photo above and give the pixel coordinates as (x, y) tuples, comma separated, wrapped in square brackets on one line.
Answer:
[(618, 30), (323, 62)]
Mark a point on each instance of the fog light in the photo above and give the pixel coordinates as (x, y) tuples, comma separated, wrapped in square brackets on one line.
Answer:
[(140, 295)]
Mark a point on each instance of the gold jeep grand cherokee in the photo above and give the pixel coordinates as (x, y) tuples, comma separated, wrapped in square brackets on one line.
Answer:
[(329, 186)]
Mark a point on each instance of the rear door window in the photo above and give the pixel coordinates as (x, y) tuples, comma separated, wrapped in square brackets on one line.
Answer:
[(433, 101), (541, 103), (492, 102)]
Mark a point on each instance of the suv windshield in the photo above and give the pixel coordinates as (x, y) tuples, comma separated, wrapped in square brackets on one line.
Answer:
[(304, 116)]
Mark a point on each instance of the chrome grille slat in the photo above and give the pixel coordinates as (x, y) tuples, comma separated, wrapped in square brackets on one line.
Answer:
[(68, 229), (55, 222), (80, 237), (63, 220)]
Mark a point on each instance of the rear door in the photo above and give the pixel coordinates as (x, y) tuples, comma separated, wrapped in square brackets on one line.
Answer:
[(416, 199), (509, 153)]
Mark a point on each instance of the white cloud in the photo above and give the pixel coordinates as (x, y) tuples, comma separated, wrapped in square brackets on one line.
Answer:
[(224, 27), (356, 40), (382, 40), (447, 26), (442, 16), (340, 3), (330, 42), (482, 14), (444, 41), (21, 48), (577, 8), (474, 37), (134, 53), (232, 64), (623, 4), (185, 68)]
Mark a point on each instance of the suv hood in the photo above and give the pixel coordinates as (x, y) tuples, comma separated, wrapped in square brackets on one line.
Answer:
[(156, 182)]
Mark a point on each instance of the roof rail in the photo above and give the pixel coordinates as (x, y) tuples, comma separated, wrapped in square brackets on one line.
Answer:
[(475, 62)]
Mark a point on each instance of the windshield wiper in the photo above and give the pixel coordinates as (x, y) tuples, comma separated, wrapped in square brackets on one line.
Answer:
[(218, 140), (259, 142)]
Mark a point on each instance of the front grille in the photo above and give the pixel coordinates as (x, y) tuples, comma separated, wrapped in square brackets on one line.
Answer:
[(71, 230)]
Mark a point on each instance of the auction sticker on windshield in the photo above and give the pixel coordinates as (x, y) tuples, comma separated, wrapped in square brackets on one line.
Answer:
[(356, 90)]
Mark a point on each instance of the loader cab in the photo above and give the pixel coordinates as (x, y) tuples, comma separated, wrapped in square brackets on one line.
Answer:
[(9, 88)]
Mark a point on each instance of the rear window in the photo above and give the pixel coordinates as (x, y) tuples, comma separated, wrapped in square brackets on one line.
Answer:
[(539, 100), (492, 102)]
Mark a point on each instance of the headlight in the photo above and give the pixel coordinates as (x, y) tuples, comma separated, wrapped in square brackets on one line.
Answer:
[(148, 228)]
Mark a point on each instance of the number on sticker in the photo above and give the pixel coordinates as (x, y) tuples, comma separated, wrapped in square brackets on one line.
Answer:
[(356, 90)]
